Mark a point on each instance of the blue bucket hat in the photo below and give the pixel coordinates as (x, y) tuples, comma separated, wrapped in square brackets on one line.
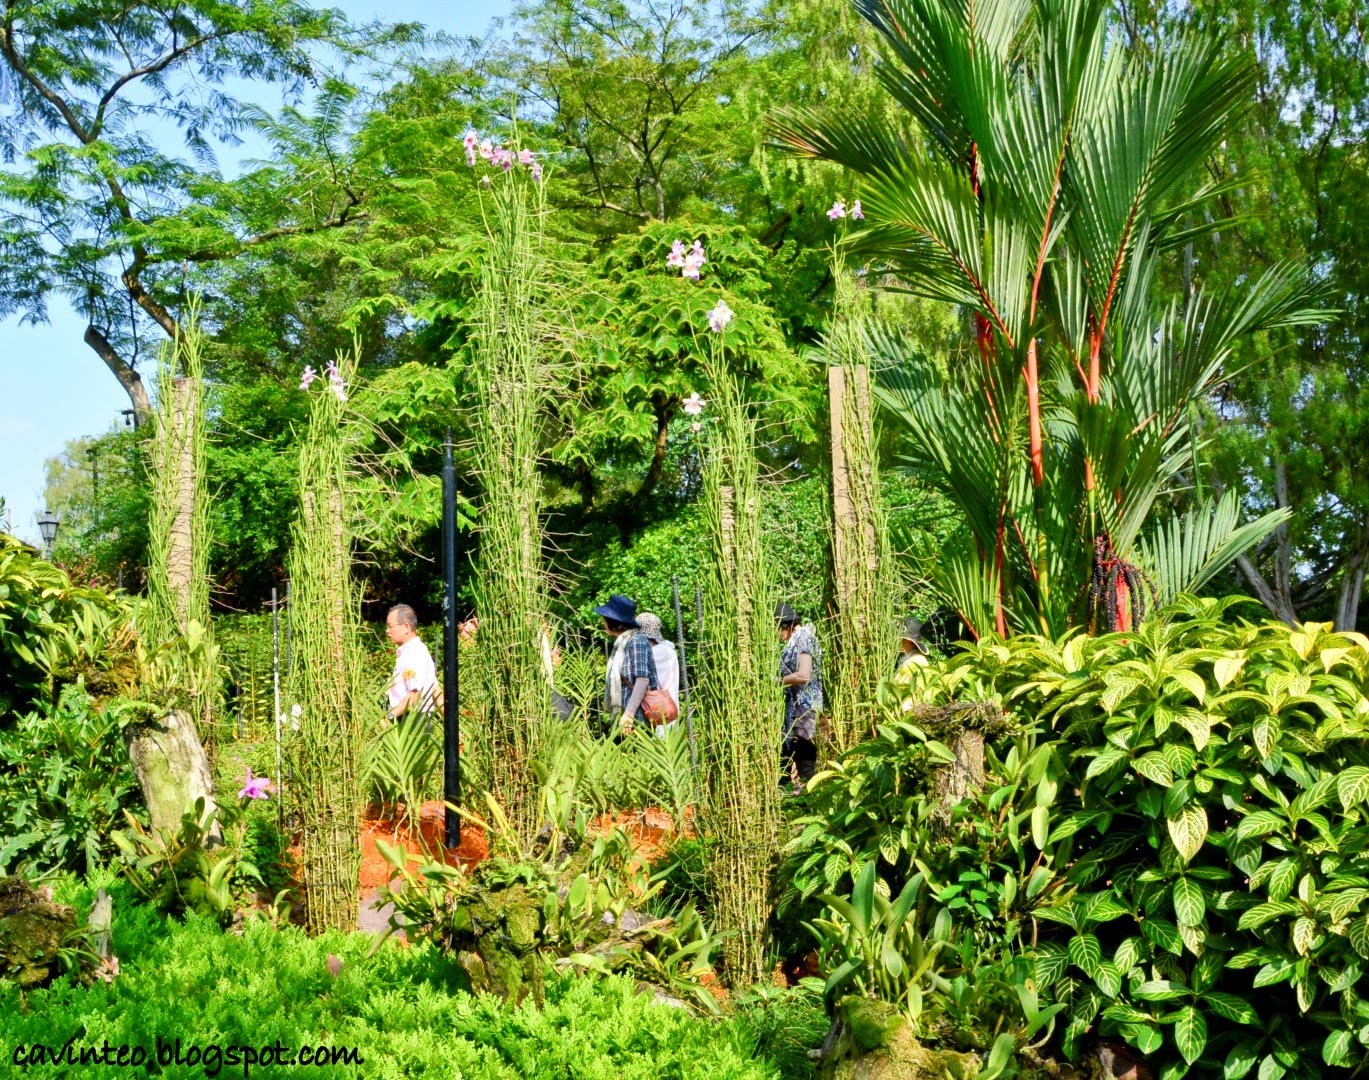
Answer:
[(620, 609)]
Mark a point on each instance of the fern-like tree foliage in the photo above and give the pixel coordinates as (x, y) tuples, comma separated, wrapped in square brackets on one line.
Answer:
[(327, 681), (1037, 177)]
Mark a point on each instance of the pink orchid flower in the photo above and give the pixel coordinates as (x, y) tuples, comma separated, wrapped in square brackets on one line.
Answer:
[(255, 787)]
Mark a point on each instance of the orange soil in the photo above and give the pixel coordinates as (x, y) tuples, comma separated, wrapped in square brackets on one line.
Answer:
[(651, 831), (427, 840)]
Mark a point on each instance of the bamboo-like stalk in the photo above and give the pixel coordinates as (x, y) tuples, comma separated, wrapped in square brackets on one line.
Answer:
[(740, 715), (862, 562), (512, 382), (327, 681)]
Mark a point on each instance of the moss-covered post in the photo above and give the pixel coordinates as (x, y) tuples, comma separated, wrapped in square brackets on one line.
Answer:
[(861, 562), (513, 380), (326, 681), (741, 705), (176, 643)]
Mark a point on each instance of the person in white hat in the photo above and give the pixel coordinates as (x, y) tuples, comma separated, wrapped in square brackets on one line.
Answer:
[(667, 661)]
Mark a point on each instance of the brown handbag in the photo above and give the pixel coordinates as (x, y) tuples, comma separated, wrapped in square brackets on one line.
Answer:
[(660, 708)]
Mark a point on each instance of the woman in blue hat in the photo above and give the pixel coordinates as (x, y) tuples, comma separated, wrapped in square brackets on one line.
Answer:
[(631, 670)]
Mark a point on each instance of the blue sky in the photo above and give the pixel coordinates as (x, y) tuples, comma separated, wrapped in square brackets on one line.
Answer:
[(54, 388)]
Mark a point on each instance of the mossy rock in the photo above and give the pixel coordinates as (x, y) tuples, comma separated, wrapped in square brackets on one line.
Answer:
[(32, 929), (874, 1024), (522, 918), (871, 1040)]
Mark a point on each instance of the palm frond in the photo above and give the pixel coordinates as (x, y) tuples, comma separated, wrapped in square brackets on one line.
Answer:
[(1186, 552)]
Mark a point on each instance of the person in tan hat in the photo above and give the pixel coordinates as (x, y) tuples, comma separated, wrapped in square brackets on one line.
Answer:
[(667, 661)]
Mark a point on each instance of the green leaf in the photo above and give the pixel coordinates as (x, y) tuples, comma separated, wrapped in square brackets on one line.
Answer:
[(1230, 1007), (1190, 681), (1153, 766), (1041, 822), (1240, 1061), (1160, 990), (1108, 978), (1163, 934), (1270, 1069), (1105, 761), (1260, 823), (1253, 918), (1224, 670), (1352, 785), (1146, 1038), (1086, 953), (1190, 1033), (1127, 1014), (1051, 962), (1274, 972), (1189, 906), (1282, 880), (1188, 829), (1359, 936), (1265, 732), (1336, 1049)]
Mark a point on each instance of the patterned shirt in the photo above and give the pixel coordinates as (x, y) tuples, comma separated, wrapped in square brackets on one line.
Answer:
[(805, 697)]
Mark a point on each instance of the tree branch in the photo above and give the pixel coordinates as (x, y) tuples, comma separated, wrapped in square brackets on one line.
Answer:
[(129, 379)]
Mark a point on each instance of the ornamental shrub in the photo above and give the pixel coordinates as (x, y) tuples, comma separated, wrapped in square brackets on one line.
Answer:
[(1172, 833)]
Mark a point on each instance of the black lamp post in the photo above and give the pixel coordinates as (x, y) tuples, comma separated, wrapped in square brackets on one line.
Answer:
[(47, 525), (451, 709)]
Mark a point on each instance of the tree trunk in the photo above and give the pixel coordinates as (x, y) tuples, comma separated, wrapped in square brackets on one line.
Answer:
[(653, 474), (172, 770), (129, 379), (1278, 598), (1352, 583)]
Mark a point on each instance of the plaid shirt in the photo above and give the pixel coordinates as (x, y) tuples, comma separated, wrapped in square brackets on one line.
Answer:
[(638, 663)]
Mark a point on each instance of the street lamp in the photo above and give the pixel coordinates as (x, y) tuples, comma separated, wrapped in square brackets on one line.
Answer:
[(47, 525)]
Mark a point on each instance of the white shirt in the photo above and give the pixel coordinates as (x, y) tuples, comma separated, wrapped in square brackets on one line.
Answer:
[(414, 670), (667, 676)]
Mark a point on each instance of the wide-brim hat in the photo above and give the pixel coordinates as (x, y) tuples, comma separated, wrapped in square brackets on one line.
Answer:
[(619, 608), (785, 615), (912, 633)]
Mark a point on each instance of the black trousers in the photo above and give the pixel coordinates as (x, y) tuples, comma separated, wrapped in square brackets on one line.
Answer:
[(802, 754)]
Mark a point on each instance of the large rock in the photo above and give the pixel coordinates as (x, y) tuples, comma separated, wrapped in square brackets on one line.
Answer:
[(871, 1040), (32, 930)]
